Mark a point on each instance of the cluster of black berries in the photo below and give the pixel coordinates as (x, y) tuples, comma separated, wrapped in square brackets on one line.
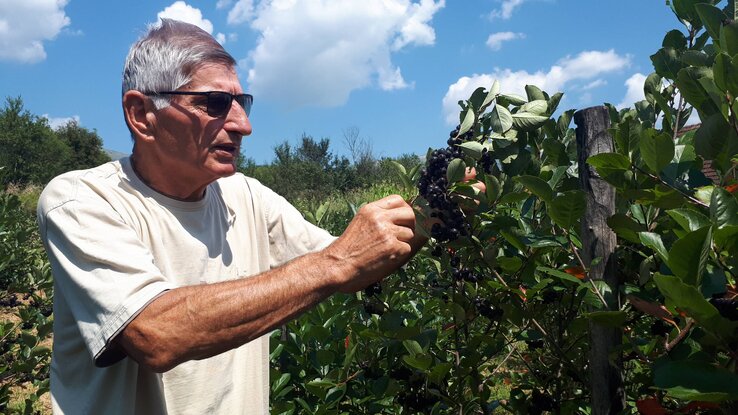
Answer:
[(660, 328), (373, 289), (541, 402), (487, 309), (534, 344), (433, 187), (727, 307), (9, 301), (413, 397)]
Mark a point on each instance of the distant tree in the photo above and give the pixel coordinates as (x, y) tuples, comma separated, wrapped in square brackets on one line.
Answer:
[(85, 145), (309, 170), (362, 155), (30, 151)]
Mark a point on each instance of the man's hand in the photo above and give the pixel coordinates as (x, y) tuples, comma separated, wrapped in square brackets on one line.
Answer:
[(379, 240)]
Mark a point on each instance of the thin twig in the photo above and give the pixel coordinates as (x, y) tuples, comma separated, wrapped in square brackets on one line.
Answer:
[(681, 336), (660, 180), (584, 267)]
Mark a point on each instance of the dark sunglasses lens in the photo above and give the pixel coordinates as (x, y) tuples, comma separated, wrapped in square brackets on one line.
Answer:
[(219, 103), (245, 102)]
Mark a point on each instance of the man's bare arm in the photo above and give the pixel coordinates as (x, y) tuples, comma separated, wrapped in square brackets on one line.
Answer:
[(200, 321)]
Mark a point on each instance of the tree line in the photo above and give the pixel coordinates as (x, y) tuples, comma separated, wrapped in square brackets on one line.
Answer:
[(32, 152)]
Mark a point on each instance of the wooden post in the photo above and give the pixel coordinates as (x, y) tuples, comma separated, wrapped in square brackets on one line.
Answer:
[(599, 241)]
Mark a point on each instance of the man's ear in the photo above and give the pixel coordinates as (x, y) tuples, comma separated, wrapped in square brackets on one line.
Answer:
[(138, 111)]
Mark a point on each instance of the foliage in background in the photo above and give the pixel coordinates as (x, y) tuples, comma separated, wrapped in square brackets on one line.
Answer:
[(25, 306), (32, 152), (499, 316)]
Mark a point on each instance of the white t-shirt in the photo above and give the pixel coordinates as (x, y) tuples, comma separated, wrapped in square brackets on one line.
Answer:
[(115, 245)]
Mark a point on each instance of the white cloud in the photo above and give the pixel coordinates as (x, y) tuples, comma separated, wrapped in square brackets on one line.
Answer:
[(586, 65), (57, 122), (316, 52), (179, 10), (634, 91), (24, 25), (594, 84), (495, 40), (506, 9), (222, 4), (242, 12)]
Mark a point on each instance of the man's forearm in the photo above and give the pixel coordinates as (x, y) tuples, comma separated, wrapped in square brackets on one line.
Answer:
[(200, 321)]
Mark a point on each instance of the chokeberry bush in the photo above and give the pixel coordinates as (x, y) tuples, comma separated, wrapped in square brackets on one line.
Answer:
[(497, 311), (25, 310)]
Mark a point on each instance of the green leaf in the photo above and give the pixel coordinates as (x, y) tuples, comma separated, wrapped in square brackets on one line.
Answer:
[(472, 149), (492, 94), (553, 102), (613, 319), (562, 125), (555, 153), (674, 39), (534, 93), (625, 227), (612, 161), (696, 381), (335, 394), (509, 264), (513, 99), (501, 119), (456, 170), (666, 62), (566, 208), (688, 299), (537, 186), (419, 361), (468, 122), (729, 38), (690, 220), (559, 274), (685, 11), (652, 86), (538, 107), (494, 188), (614, 168), (278, 384), (526, 121), (723, 208), (695, 58), (653, 241), (657, 149), (704, 194), (688, 82), (715, 140), (412, 347), (688, 255), (712, 18)]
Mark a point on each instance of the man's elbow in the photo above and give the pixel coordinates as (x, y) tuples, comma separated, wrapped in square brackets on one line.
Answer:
[(147, 349)]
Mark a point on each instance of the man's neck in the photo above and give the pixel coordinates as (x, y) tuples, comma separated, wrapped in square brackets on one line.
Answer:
[(164, 187)]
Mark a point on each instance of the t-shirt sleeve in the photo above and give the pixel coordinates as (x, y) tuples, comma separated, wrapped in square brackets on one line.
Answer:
[(104, 273), (290, 234)]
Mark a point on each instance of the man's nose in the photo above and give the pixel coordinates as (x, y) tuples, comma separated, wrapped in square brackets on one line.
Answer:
[(237, 121)]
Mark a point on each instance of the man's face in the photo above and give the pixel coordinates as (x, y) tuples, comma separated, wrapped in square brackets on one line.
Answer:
[(193, 145)]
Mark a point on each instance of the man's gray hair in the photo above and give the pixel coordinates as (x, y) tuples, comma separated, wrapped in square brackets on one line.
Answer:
[(166, 57)]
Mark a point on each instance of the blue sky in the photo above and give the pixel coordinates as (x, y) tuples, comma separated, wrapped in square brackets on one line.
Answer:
[(392, 70)]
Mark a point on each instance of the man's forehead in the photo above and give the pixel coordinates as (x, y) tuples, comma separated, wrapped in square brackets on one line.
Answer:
[(216, 77)]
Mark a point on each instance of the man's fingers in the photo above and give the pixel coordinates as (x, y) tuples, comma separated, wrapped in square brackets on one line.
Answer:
[(470, 174), (391, 202)]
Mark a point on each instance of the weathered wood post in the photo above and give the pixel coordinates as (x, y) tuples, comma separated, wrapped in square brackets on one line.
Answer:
[(599, 241)]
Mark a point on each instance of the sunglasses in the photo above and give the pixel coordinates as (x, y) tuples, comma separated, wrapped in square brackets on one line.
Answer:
[(218, 102)]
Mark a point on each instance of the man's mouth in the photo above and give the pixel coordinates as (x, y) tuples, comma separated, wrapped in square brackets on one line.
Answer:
[(228, 148)]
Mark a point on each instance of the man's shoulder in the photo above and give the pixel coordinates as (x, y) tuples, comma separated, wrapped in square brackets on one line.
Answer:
[(73, 185)]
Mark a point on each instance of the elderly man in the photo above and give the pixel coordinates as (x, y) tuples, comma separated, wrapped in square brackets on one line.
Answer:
[(169, 267)]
